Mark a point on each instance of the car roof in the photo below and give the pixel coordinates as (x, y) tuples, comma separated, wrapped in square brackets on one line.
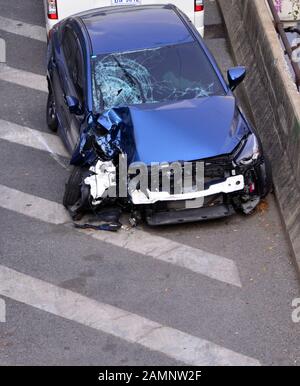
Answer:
[(132, 28)]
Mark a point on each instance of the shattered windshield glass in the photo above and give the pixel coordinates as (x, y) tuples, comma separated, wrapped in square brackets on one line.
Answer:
[(164, 74)]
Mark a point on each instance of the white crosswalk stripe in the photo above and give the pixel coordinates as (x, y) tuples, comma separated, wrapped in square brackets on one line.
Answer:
[(23, 78), (103, 317), (24, 29), (36, 139), (32, 206), (193, 259)]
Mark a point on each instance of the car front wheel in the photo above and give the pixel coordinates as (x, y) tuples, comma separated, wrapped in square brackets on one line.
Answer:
[(73, 187)]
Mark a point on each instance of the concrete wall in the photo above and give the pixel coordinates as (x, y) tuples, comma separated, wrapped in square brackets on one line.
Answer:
[(274, 101)]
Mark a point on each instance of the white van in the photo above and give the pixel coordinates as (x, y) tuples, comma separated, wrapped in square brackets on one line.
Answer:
[(57, 10)]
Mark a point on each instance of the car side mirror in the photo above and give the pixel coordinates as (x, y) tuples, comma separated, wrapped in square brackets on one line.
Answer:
[(73, 105), (235, 76)]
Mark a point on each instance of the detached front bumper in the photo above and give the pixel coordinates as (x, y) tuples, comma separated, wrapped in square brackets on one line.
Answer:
[(230, 185)]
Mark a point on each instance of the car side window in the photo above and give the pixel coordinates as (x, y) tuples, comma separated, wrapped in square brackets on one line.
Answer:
[(78, 72), (74, 60)]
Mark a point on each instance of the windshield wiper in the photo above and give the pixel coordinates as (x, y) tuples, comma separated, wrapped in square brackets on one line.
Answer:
[(131, 78)]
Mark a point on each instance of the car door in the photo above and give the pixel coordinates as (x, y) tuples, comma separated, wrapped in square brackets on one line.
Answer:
[(57, 73), (74, 84)]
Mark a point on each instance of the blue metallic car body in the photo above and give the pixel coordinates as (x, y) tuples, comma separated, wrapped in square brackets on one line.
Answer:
[(138, 28), (191, 127), (206, 124), (208, 128)]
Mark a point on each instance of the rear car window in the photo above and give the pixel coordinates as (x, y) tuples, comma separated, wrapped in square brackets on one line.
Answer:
[(164, 74)]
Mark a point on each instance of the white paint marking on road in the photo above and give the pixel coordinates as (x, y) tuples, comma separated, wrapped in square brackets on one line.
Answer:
[(117, 322), (24, 29), (2, 311), (2, 51), (25, 136), (23, 78), (32, 206), (195, 260)]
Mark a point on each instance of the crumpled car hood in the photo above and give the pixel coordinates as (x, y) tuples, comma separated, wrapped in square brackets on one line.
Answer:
[(187, 130)]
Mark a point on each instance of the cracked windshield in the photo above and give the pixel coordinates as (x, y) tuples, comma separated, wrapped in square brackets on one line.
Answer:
[(158, 75)]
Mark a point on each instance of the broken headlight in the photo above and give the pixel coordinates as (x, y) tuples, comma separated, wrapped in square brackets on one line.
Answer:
[(250, 152)]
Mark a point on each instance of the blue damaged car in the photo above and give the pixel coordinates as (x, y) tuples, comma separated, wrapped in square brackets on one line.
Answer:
[(138, 85)]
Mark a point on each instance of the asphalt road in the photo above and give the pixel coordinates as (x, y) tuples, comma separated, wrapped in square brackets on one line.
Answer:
[(212, 293)]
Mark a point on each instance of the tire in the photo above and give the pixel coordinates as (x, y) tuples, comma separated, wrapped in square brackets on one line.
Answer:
[(51, 116), (73, 187)]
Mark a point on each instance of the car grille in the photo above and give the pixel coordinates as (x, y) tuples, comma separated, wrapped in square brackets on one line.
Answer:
[(218, 167)]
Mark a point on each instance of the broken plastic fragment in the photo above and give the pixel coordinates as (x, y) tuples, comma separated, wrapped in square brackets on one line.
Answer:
[(109, 119), (113, 227), (101, 138)]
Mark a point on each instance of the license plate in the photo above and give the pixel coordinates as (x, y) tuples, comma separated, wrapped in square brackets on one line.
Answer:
[(126, 2)]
